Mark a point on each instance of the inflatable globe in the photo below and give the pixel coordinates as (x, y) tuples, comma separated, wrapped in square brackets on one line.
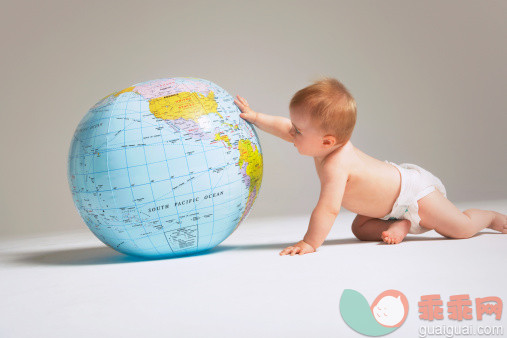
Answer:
[(164, 168)]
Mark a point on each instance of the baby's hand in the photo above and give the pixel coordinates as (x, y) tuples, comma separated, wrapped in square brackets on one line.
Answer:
[(247, 113), (301, 247)]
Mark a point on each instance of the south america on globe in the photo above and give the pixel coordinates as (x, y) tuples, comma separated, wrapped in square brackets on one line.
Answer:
[(164, 168)]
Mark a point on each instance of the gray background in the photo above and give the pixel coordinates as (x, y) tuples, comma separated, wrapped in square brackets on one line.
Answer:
[(429, 78)]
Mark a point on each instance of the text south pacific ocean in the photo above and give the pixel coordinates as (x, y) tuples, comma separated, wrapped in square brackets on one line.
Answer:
[(186, 201)]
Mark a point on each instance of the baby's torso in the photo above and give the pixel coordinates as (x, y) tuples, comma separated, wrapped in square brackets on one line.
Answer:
[(373, 185)]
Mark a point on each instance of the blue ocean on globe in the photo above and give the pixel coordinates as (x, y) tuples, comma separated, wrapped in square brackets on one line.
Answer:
[(164, 168)]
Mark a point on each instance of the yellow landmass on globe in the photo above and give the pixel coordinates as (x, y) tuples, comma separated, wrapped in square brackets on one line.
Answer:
[(186, 105), (253, 159), (225, 138)]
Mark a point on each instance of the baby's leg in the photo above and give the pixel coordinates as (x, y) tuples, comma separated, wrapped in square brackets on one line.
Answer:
[(438, 213), (374, 229)]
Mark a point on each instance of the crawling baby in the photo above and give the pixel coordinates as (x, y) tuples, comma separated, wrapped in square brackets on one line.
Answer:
[(390, 200)]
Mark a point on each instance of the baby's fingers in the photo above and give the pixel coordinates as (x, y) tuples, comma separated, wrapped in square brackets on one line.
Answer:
[(286, 251), (242, 107), (303, 251), (239, 104), (243, 100), (283, 252)]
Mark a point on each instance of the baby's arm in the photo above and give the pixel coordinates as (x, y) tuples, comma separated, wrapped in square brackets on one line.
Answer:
[(276, 125), (328, 207), (333, 182)]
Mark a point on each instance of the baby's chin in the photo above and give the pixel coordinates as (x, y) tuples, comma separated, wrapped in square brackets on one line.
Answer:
[(309, 153), (304, 153)]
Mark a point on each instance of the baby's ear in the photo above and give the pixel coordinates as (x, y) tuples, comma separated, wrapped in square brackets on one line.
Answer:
[(329, 140)]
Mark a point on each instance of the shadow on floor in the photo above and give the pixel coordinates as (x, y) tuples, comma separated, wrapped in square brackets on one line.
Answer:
[(93, 256), (106, 255)]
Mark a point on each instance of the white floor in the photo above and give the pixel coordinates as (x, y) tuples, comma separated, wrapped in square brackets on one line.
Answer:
[(71, 285)]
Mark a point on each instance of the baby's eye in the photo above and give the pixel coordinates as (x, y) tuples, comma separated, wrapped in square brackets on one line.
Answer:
[(294, 130)]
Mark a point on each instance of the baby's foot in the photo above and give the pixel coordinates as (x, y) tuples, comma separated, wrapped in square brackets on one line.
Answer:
[(396, 232), (499, 223)]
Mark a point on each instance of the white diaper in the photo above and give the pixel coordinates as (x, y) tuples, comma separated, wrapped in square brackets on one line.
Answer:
[(416, 183)]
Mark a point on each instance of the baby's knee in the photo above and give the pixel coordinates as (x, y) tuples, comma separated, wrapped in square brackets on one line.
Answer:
[(468, 212), (355, 229), (461, 234), (462, 231), (356, 225), (460, 228), (356, 232)]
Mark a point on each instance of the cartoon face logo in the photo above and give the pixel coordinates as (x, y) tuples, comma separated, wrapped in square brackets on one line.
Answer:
[(388, 310), (386, 314)]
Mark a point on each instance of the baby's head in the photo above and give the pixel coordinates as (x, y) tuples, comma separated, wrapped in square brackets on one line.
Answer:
[(323, 117)]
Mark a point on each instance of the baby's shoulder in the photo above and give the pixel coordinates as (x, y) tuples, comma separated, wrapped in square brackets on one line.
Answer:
[(334, 167), (340, 162)]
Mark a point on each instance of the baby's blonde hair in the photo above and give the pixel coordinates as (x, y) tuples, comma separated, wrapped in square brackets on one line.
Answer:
[(328, 101)]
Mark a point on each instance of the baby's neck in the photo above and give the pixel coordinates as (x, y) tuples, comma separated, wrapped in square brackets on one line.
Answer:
[(335, 149)]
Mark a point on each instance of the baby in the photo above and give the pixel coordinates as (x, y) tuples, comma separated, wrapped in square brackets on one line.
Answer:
[(390, 200)]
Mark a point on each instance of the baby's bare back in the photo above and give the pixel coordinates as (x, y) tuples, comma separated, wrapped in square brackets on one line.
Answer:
[(373, 185)]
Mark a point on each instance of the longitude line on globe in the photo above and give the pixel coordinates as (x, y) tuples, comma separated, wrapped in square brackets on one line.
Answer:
[(147, 170), (130, 183), (109, 181)]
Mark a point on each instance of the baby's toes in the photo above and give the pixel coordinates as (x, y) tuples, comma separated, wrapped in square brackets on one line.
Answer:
[(396, 239), (385, 237)]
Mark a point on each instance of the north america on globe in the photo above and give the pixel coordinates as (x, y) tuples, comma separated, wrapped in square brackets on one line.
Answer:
[(165, 167)]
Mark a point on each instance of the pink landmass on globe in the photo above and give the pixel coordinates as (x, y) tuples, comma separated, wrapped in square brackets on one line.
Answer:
[(160, 88)]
